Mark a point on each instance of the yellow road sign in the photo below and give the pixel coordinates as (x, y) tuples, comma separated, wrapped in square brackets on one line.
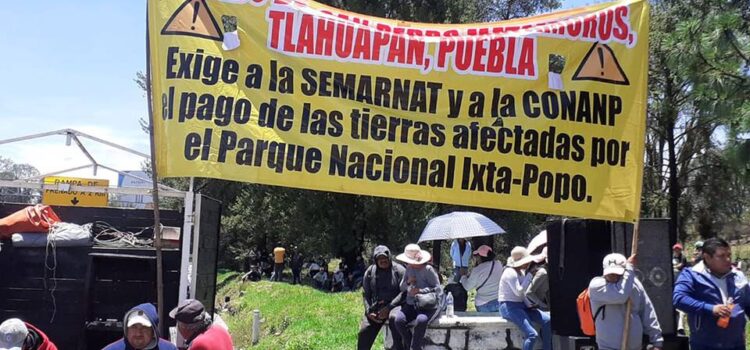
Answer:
[(63, 196)]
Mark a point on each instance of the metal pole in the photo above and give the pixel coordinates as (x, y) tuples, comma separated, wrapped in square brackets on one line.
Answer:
[(155, 179), (629, 305), (256, 326), (187, 236)]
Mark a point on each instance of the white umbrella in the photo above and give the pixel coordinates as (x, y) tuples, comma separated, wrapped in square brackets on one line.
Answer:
[(537, 243), (459, 224)]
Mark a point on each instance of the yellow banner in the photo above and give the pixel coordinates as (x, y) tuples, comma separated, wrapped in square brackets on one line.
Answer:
[(543, 114)]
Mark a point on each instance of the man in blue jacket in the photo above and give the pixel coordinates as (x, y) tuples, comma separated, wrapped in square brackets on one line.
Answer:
[(141, 328), (710, 290)]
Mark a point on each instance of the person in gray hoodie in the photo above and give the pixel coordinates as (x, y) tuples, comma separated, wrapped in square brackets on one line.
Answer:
[(381, 295), (609, 295)]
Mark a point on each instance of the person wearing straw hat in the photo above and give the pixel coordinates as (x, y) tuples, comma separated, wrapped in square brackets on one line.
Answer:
[(610, 292), (485, 278), (538, 292), (422, 288), (511, 295)]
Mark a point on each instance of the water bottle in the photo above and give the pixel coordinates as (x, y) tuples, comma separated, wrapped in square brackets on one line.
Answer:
[(449, 305), (723, 322)]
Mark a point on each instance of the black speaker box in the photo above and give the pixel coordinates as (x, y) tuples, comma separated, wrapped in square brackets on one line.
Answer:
[(654, 266), (576, 249)]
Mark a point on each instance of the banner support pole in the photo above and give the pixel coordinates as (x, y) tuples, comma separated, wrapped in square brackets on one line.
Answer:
[(155, 179), (629, 304)]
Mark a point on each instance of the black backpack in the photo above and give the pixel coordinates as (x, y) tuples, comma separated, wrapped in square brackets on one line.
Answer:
[(460, 296)]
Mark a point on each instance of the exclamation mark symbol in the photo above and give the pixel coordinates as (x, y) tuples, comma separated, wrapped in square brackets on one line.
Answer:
[(601, 58), (197, 6)]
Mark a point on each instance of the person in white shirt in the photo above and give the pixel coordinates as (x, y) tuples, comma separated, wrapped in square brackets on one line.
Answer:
[(511, 295), (460, 254), (485, 278)]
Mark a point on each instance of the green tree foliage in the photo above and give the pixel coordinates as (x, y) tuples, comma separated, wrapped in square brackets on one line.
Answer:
[(344, 225), (698, 105), (10, 170)]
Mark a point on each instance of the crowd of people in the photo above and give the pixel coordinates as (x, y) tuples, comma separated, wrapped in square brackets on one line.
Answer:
[(405, 292), (140, 331), (272, 266)]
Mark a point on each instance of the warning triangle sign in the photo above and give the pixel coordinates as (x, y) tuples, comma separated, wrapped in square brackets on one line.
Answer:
[(193, 18), (600, 64)]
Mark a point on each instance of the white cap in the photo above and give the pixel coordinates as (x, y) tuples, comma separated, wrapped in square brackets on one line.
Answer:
[(13, 333), (138, 318), (614, 264)]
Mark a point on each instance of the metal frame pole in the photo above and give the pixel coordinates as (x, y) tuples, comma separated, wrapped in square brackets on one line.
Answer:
[(629, 305), (154, 174), (187, 236)]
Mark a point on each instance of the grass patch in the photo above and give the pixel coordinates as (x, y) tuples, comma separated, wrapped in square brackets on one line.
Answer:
[(293, 316)]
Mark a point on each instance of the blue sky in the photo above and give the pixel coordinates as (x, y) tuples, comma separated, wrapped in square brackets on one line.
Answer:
[(71, 64)]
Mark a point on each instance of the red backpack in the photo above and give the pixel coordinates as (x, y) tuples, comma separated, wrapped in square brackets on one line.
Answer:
[(585, 316)]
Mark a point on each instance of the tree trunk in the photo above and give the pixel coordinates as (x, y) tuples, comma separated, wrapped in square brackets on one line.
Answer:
[(674, 187), (669, 117)]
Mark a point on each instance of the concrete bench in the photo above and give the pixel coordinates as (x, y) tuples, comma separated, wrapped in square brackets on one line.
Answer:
[(470, 331)]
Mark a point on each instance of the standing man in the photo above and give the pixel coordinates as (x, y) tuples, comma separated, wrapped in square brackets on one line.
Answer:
[(610, 293), (698, 253), (196, 326), (297, 263), (381, 295), (715, 298), (278, 263), (679, 261), (141, 330), (460, 254)]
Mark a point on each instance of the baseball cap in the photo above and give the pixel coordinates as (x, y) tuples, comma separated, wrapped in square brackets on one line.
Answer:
[(138, 317), (677, 246), (483, 250), (13, 333), (614, 264), (188, 311), (381, 250)]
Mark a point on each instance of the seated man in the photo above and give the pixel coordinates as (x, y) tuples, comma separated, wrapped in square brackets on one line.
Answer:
[(338, 279), (381, 295), (321, 278), (18, 335), (141, 330)]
